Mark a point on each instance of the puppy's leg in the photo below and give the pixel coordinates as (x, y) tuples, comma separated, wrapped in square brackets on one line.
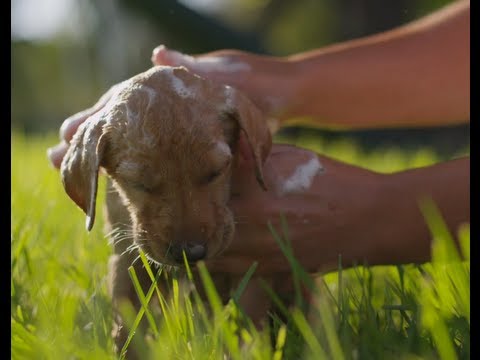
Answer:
[(118, 226)]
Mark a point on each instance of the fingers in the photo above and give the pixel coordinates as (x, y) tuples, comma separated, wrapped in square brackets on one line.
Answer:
[(163, 56), (69, 127), (56, 153), (71, 124)]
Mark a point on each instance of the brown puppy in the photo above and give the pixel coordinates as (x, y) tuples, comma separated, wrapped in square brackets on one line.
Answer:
[(168, 141)]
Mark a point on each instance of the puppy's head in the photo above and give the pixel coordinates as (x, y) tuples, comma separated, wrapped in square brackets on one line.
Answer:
[(169, 140)]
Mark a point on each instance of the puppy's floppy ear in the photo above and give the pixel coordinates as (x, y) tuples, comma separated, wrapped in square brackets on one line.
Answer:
[(81, 164), (254, 125)]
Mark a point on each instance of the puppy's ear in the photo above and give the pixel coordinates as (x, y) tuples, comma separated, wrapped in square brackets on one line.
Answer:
[(254, 125), (81, 164)]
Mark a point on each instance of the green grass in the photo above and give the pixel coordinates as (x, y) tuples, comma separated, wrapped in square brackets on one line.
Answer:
[(60, 308)]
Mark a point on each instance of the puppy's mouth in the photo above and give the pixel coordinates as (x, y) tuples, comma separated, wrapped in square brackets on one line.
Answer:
[(158, 249)]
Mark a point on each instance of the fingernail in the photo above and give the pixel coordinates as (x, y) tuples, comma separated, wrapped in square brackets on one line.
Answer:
[(160, 55), (157, 50)]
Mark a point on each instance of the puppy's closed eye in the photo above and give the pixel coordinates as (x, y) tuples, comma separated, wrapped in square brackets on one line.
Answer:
[(142, 187), (215, 174), (145, 187)]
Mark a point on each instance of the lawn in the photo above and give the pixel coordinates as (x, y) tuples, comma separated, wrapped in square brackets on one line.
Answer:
[(60, 308)]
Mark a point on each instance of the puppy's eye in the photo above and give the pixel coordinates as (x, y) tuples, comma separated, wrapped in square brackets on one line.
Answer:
[(142, 187), (212, 176)]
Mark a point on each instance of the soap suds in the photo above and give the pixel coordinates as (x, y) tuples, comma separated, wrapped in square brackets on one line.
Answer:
[(228, 96), (132, 115), (181, 89), (223, 148), (302, 178)]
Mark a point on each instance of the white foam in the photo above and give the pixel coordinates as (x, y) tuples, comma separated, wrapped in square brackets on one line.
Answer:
[(152, 94), (181, 89), (223, 148), (228, 96), (302, 178), (132, 115)]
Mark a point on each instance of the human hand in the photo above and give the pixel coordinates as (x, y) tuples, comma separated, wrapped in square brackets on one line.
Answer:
[(329, 212), (266, 80)]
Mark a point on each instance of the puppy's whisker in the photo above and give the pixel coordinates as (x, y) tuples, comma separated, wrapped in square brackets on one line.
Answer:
[(115, 240), (136, 259), (120, 230)]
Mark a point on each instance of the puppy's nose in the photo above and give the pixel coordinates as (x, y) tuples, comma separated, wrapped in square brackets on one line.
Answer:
[(193, 252)]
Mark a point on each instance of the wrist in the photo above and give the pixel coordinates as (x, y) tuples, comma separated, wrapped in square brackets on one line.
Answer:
[(286, 84)]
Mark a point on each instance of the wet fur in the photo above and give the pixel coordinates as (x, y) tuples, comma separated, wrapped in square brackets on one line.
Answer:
[(169, 180)]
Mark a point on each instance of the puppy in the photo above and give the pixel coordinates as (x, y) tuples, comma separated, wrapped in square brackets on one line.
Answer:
[(168, 141)]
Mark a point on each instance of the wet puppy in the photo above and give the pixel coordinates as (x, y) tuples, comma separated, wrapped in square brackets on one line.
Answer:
[(168, 141)]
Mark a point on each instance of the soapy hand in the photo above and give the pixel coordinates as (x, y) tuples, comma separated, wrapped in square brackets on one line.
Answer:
[(264, 79)]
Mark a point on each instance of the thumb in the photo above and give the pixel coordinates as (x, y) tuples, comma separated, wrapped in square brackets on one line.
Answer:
[(163, 56)]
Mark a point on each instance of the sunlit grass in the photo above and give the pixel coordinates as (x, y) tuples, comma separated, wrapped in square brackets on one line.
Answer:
[(60, 308)]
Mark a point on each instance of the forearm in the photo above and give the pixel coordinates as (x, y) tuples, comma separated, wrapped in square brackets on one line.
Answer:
[(416, 75), (363, 216), (376, 219)]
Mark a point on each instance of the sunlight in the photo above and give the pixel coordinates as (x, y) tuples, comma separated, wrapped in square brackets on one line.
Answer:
[(45, 19)]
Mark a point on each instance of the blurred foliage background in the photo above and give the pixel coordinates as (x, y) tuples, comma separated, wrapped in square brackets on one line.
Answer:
[(66, 53)]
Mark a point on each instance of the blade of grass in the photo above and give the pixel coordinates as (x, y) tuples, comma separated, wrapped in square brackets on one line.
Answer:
[(143, 300), (330, 328), (280, 343), (308, 335), (433, 321), (452, 285), (212, 295), (299, 274), (443, 245), (243, 283), (464, 238), (139, 315), (275, 299)]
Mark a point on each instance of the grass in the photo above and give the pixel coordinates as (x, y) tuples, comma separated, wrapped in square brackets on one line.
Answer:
[(60, 308)]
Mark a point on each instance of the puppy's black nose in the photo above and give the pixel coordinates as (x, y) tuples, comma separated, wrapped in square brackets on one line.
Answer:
[(193, 252)]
